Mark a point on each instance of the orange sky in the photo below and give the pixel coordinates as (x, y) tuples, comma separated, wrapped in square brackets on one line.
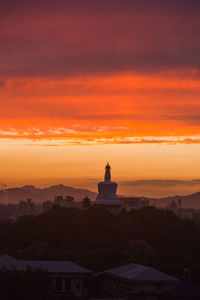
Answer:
[(102, 81), (118, 106)]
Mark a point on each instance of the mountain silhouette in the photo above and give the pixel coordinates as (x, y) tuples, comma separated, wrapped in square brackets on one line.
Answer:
[(14, 195), (188, 201)]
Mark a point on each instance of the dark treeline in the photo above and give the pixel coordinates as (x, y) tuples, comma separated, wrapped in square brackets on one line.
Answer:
[(30, 284), (99, 240)]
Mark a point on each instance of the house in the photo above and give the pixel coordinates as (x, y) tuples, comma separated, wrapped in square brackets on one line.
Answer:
[(186, 289), (135, 281), (67, 278)]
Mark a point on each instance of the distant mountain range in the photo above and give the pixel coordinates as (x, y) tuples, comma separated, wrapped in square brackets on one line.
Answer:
[(188, 201), (14, 195)]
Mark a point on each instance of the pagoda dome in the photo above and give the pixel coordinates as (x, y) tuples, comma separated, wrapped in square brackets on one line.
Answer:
[(107, 190)]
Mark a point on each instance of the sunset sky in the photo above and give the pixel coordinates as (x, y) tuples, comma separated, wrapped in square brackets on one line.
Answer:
[(86, 82)]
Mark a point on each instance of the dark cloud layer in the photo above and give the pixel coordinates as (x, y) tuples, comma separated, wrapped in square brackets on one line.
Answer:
[(61, 38), (70, 65), (163, 183), (104, 5)]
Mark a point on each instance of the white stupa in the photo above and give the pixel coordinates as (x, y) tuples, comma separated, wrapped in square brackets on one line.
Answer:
[(107, 191)]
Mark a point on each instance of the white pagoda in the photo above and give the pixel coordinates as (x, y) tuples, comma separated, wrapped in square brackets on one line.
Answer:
[(107, 193)]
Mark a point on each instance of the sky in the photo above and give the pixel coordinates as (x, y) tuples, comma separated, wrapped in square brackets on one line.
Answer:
[(86, 82)]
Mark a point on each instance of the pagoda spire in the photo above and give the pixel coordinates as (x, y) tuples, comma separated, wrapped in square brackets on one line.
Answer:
[(107, 173)]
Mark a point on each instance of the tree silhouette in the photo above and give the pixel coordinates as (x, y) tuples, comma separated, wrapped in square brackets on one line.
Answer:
[(86, 203), (31, 284)]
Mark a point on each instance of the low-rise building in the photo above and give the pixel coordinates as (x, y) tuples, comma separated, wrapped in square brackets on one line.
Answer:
[(135, 281), (133, 202), (184, 213), (68, 201), (186, 289), (67, 278), (130, 202), (46, 205)]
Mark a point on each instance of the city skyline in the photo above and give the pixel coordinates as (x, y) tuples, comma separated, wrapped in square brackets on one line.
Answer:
[(149, 186)]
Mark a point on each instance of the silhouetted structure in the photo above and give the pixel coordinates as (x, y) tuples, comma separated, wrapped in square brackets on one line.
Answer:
[(133, 202), (46, 205), (86, 203), (180, 203), (26, 208), (68, 201), (134, 281), (67, 279), (186, 289), (107, 190)]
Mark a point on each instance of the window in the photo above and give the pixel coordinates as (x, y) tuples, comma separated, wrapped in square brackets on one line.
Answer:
[(159, 286), (67, 284), (58, 285), (86, 283), (78, 286)]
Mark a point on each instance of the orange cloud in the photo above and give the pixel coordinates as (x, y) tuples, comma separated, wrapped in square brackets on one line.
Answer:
[(117, 106)]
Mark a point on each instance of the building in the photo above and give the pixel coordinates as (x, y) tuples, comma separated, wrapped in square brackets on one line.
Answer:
[(130, 202), (184, 213), (67, 279), (172, 206), (107, 193), (133, 202), (12, 211), (144, 202), (186, 289), (134, 281), (8, 210), (68, 201), (26, 207), (46, 205)]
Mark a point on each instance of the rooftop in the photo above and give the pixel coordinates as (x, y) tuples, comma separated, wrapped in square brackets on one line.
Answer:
[(141, 273), (50, 266)]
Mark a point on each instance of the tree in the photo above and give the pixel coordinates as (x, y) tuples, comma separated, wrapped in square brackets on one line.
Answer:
[(31, 284), (86, 203)]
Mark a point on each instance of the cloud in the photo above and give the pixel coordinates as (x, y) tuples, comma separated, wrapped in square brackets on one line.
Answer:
[(104, 6), (162, 183), (2, 83), (117, 68), (97, 37), (35, 137), (69, 64), (3, 185)]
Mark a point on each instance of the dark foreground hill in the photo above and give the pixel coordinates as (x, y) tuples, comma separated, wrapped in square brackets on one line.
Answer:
[(99, 240), (14, 195)]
